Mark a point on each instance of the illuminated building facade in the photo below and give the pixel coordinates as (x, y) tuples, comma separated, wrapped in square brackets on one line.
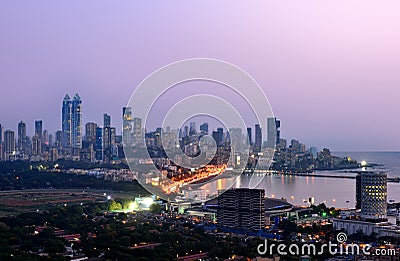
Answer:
[(127, 125), (9, 145), (72, 122), (258, 138), (373, 192), (242, 209), (273, 132)]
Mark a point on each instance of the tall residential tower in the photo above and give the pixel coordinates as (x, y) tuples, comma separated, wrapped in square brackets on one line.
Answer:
[(72, 122)]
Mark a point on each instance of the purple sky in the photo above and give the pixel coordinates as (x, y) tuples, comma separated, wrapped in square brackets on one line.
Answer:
[(331, 69)]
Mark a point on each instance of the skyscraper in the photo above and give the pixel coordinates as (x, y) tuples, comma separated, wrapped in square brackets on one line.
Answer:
[(218, 136), (127, 125), (258, 138), (50, 141), (249, 136), (107, 141), (108, 137), (107, 120), (99, 144), (242, 208), (373, 190), (1, 135), (186, 128), (90, 132), (192, 128), (137, 131), (9, 145), (36, 146), (58, 140), (358, 191), (39, 129), (76, 122), (72, 122), (66, 122), (273, 132), (21, 137), (204, 128), (45, 137), (113, 136)]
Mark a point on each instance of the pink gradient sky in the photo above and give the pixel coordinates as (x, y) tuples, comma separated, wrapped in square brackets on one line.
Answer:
[(331, 69)]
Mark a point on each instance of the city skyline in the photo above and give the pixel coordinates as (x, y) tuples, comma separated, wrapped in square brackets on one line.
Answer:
[(39, 127), (212, 130), (337, 75)]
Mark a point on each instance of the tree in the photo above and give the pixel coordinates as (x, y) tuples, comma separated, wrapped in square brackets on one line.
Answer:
[(114, 206), (53, 246), (155, 208)]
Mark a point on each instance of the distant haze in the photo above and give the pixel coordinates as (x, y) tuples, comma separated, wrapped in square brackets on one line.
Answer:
[(331, 69)]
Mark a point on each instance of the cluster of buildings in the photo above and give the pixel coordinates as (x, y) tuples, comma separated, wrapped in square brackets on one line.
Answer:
[(95, 142), (101, 143), (371, 213), (242, 209), (91, 142), (114, 175), (248, 210)]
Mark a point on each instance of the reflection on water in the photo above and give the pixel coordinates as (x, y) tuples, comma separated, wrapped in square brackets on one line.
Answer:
[(331, 191), (337, 192)]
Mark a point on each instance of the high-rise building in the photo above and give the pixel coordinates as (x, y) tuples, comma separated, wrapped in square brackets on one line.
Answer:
[(137, 131), (36, 146), (204, 128), (373, 190), (21, 137), (192, 128), (90, 132), (186, 131), (9, 145), (1, 135), (235, 137), (99, 144), (66, 122), (314, 152), (72, 122), (358, 191), (59, 139), (249, 136), (107, 141), (39, 129), (45, 137), (273, 132), (127, 125), (218, 136), (106, 120), (108, 137), (258, 138), (295, 146), (76, 122), (54, 154), (50, 140), (242, 209)]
